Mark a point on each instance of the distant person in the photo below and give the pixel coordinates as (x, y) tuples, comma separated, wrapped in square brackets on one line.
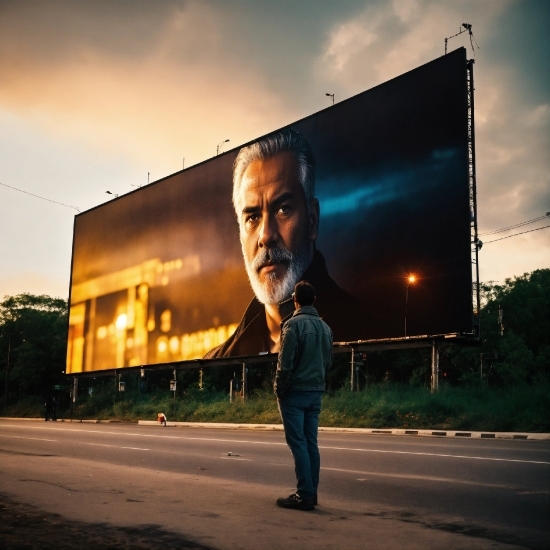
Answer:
[(161, 417), (48, 409), (54, 409), (278, 215), (304, 358)]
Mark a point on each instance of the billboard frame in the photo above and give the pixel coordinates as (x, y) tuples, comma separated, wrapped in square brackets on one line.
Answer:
[(463, 338)]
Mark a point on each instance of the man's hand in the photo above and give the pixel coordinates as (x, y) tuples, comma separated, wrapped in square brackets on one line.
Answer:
[(282, 383)]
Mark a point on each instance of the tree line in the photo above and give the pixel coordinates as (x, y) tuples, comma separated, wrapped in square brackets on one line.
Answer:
[(514, 350)]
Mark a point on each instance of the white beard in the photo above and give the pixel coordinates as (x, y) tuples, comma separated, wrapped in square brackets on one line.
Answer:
[(276, 290)]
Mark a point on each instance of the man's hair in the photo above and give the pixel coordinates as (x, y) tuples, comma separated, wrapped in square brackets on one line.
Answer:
[(271, 145), (304, 293)]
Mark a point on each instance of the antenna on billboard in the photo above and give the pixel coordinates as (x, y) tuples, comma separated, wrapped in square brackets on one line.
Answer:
[(332, 96), (183, 167), (148, 174), (466, 27)]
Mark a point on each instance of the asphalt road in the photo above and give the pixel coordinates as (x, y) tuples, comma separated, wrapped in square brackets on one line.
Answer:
[(217, 488)]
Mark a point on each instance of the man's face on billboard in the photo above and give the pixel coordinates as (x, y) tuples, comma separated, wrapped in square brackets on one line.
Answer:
[(277, 229)]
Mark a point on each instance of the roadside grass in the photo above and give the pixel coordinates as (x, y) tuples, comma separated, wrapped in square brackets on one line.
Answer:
[(525, 408)]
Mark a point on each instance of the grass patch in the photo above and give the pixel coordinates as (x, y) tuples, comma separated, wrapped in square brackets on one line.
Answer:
[(522, 409)]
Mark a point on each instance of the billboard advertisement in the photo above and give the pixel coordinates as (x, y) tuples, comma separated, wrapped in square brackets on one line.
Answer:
[(354, 199)]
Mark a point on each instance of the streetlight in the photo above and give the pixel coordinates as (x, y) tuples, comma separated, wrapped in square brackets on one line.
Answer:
[(220, 145), (411, 279), (109, 193), (331, 95)]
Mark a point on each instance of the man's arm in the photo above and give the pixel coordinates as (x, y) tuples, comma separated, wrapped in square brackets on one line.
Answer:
[(286, 361)]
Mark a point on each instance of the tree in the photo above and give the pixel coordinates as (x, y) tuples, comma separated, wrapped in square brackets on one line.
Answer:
[(521, 351), (33, 332)]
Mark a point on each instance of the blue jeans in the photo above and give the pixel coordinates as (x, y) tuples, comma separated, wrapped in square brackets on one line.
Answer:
[(300, 414)]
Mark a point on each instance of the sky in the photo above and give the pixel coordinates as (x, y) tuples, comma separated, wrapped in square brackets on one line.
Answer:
[(100, 96)]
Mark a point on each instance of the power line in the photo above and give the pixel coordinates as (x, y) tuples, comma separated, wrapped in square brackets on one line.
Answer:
[(515, 234), (516, 225), (39, 197)]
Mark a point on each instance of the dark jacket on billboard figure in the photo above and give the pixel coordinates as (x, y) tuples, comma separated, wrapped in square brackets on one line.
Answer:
[(341, 311)]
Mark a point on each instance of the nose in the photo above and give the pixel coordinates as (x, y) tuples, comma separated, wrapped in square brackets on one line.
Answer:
[(268, 233)]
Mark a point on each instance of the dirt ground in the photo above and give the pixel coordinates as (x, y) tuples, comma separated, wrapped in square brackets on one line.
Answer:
[(23, 526)]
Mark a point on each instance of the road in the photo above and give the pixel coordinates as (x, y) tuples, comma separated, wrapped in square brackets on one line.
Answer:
[(218, 487)]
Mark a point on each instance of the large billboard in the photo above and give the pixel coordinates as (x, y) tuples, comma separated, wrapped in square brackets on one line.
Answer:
[(186, 268)]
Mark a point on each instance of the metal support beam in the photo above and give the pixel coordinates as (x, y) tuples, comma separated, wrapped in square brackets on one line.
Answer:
[(244, 383), (435, 366), (472, 180), (352, 380)]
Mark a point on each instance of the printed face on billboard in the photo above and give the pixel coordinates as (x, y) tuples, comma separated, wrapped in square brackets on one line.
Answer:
[(354, 199)]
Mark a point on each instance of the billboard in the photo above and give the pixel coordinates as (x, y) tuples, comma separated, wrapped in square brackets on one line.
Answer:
[(158, 275)]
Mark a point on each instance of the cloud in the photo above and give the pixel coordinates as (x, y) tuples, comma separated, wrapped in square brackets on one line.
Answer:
[(158, 88), (512, 134)]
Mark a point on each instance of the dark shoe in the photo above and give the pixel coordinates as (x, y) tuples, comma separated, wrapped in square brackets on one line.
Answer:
[(294, 502)]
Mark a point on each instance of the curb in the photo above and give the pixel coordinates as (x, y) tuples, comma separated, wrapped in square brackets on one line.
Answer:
[(361, 431), (279, 427)]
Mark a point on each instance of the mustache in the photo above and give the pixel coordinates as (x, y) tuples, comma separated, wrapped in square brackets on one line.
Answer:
[(271, 256)]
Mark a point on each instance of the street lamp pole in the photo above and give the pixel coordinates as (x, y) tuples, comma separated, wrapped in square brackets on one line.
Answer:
[(220, 145)]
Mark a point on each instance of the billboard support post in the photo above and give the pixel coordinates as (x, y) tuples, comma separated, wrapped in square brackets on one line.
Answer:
[(352, 365), (435, 367), (175, 382), (244, 385), (73, 393)]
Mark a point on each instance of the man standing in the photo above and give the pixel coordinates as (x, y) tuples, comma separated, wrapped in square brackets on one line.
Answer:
[(305, 355)]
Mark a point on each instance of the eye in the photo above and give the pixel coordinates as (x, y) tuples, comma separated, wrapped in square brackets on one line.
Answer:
[(251, 218), (284, 209)]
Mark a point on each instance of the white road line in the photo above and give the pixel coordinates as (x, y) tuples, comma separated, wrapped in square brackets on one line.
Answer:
[(115, 446), (419, 478), (349, 449), (21, 437), (438, 455), (233, 458)]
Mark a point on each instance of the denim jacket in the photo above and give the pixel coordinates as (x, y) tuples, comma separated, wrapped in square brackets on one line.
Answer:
[(305, 353)]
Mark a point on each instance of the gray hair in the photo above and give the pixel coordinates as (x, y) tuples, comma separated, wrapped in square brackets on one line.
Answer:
[(271, 145)]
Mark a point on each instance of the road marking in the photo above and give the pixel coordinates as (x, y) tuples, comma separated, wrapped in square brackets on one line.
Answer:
[(233, 458), (437, 454), (33, 438), (419, 478), (115, 446), (329, 448)]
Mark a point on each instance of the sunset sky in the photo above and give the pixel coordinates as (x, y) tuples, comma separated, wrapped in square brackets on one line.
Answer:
[(94, 95)]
